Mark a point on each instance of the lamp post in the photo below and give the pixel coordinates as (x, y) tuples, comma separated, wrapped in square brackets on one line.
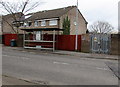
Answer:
[(76, 39)]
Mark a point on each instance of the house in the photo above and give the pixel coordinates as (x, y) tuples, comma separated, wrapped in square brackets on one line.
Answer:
[(7, 23), (54, 19), (0, 24), (50, 22)]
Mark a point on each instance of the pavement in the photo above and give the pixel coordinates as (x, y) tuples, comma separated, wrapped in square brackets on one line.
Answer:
[(8, 80), (87, 55), (57, 68), (71, 53)]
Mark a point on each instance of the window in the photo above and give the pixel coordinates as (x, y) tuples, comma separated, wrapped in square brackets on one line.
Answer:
[(21, 24), (52, 22), (36, 23), (29, 23), (43, 23), (25, 24)]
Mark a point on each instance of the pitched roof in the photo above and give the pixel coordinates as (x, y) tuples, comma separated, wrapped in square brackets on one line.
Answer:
[(55, 13), (14, 16)]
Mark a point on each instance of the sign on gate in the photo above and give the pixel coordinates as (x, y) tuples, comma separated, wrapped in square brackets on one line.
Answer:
[(100, 43)]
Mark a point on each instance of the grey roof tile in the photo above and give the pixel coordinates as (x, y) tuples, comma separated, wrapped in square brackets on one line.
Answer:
[(55, 13)]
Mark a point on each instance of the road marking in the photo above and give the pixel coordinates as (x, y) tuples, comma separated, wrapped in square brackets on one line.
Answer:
[(56, 62), (25, 58), (102, 68), (16, 57), (23, 51), (4, 55), (10, 56), (61, 63), (65, 63), (32, 52)]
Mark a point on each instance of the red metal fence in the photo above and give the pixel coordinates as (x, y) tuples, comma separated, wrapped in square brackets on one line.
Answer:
[(67, 42), (63, 42), (8, 37)]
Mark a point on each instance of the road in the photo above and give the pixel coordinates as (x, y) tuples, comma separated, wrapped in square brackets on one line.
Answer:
[(53, 69)]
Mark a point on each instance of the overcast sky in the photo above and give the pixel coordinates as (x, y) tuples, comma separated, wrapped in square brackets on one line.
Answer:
[(92, 10)]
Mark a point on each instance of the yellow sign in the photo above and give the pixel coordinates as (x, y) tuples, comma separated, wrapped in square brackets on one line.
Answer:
[(95, 39)]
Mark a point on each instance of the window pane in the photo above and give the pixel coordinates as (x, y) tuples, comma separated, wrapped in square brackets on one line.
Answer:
[(30, 23), (43, 23), (25, 24), (53, 22), (36, 23)]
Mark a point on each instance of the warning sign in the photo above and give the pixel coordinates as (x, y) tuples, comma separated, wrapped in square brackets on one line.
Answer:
[(95, 39)]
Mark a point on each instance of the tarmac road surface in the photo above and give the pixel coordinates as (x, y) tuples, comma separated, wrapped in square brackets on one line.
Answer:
[(53, 69)]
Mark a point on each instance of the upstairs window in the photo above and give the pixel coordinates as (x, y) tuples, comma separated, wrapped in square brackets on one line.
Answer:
[(29, 23), (25, 24), (36, 23), (52, 22), (43, 23), (21, 24)]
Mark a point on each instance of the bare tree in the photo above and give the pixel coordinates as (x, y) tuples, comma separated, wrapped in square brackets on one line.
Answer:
[(17, 11), (101, 27)]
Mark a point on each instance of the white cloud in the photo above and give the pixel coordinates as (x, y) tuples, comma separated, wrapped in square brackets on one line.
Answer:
[(104, 10)]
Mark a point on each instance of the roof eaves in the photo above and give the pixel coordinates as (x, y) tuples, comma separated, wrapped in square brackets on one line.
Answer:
[(82, 16), (68, 10)]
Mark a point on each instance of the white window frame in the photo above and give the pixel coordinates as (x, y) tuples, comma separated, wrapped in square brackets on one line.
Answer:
[(25, 24), (36, 23), (53, 22), (43, 23)]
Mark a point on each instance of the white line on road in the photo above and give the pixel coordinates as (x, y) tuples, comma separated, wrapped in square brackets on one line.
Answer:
[(32, 52), (25, 58), (102, 68), (17, 57), (23, 51), (65, 63), (56, 62), (61, 63), (4, 55)]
